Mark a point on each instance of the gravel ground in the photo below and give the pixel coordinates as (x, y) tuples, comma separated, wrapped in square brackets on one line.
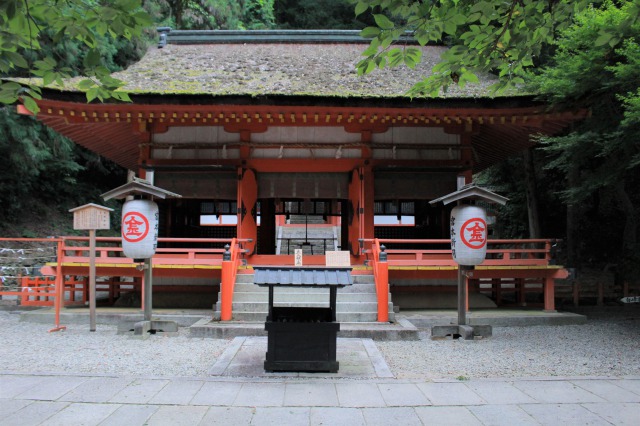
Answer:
[(609, 345), (29, 347)]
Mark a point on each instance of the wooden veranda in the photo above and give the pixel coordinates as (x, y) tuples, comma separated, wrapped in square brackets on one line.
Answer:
[(512, 266)]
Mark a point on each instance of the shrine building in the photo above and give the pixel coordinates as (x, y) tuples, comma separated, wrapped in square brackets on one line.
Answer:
[(275, 144)]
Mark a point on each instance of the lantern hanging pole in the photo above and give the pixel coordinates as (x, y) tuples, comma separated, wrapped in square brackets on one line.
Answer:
[(148, 290), (462, 293)]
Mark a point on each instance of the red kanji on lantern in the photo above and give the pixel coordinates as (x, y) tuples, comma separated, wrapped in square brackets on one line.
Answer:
[(136, 227), (474, 233)]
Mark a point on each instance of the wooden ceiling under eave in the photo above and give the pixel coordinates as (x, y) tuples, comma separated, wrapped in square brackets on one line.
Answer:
[(116, 131), (117, 142)]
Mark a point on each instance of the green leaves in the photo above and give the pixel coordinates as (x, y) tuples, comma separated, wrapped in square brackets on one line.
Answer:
[(383, 22), (485, 36), (24, 24)]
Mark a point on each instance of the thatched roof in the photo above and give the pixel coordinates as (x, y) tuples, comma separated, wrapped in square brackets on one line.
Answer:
[(256, 64)]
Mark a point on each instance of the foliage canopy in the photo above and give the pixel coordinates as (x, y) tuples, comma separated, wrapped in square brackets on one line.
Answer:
[(508, 38), (26, 27)]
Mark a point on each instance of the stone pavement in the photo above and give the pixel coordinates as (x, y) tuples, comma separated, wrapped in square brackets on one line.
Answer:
[(363, 392), (107, 400)]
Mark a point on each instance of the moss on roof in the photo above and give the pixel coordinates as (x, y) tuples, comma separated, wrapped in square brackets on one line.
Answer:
[(254, 69)]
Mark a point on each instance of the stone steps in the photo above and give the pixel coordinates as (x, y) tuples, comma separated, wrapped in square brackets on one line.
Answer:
[(354, 303)]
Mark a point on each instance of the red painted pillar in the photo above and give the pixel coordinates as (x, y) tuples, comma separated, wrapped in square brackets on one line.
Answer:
[(382, 286), (226, 287), (549, 295), (355, 208), (247, 198), (367, 203)]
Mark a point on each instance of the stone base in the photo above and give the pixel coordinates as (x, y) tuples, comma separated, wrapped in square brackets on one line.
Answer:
[(464, 332), (141, 328)]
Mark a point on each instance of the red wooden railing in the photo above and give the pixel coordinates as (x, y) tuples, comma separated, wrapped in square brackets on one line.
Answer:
[(528, 252), (109, 251), (380, 268), (230, 264), (47, 291), (500, 253)]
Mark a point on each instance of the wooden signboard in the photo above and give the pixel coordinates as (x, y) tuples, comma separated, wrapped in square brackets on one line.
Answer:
[(338, 258), (91, 216)]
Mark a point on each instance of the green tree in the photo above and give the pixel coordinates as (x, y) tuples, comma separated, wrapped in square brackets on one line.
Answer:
[(215, 14), (508, 38), (596, 67), (27, 26), (316, 14)]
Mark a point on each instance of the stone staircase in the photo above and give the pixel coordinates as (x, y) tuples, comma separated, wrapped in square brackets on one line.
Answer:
[(311, 241), (354, 303)]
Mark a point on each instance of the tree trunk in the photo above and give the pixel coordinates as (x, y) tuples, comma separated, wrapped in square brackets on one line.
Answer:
[(573, 179), (630, 231), (532, 198)]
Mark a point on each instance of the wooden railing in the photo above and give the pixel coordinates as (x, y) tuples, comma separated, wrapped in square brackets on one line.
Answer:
[(499, 252), (403, 254), (230, 263), (380, 268), (109, 251)]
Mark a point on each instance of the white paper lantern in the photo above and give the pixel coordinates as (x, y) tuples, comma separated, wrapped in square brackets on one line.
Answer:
[(468, 235), (139, 228)]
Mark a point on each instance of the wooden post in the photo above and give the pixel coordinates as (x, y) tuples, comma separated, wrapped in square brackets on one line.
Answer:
[(462, 296), (92, 280), (549, 295), (59, 284), (247, 198), (226, 286), (148, 289), (382, 286)]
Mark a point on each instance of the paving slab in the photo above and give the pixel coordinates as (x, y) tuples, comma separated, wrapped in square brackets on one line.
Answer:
[(310, 394), (171, 415), (226, 416), (402, 395), (260, 395), (139, 391), (33, 414), (278, 416), (97, 389), (10, 406), (359, 395), (405, 416), (82, 414), (336, 416), (450, 394), (378, 362), (51, 388), (502, 415), (562, 414), (608, 390), (13, 386), (617, 413), (447, 416), (499, 392), (245, 357), (130, 415), (556, 391), (217, 393), (177, 392), (632, 385)]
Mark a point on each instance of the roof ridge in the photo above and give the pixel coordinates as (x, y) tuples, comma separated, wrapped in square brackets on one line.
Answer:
[(171, 36)]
